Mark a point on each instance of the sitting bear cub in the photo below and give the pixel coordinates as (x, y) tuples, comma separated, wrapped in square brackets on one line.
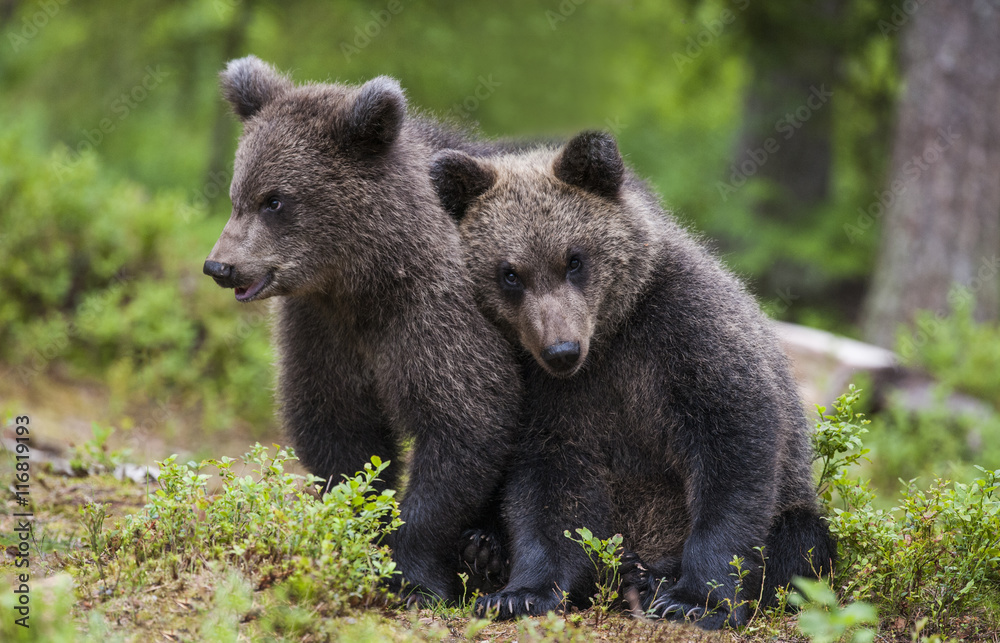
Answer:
[(657, 401), (378, 337)]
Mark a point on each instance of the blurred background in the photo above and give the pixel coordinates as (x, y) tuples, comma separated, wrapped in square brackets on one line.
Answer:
[(842, 156)]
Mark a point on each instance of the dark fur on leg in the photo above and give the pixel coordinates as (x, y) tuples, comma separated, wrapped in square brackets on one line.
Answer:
[(799, 544)]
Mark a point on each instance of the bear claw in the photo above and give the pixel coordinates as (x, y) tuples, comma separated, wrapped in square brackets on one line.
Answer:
[(511, 604)]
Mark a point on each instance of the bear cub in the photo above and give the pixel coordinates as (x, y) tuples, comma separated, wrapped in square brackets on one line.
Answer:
[(657, 401), (378, 336)]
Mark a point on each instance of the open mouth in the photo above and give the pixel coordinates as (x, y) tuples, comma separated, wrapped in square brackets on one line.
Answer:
[(247, 294)]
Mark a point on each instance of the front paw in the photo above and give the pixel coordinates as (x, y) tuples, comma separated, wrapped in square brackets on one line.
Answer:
[(506, 605)]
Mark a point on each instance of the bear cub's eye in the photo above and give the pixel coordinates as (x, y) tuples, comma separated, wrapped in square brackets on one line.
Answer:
[(510, 281), (273, 204), (574, 264)]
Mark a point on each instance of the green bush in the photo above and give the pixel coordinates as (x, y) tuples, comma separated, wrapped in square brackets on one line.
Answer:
[(104, 279), (935, 554), (823, 620), (269, 526)]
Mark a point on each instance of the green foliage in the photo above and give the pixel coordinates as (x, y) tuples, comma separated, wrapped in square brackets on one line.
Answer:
[(100, 277), (668, 77), (935, 553), (739, 572), (959, 352), (837, 441), (929, 443), (605, 556), (95, 455), (267, 524), (951, 433), (552, 628), (824, 621), (92, 516)]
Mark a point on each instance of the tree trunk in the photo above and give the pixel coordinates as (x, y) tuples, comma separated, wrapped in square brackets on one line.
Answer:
[(786, 137), (942, 205), (800, 168)]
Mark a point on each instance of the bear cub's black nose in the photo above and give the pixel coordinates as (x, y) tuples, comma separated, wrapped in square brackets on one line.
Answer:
[(563, 356), (218, 270), (221, 272)]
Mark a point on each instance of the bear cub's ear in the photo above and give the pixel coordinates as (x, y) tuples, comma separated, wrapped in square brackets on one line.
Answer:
[(459, 179), (250, 83), (591, 161), (376, 117)]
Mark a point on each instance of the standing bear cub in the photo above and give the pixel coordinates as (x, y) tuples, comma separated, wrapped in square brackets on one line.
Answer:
[(377, 332), (657, 401)]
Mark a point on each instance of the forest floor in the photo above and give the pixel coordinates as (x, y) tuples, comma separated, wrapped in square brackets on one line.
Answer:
[(179, 609), (190, 607), (68, 606), (77, 597)]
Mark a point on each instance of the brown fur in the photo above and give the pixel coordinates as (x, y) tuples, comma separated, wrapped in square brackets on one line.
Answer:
[(677, 426), (378, 337)]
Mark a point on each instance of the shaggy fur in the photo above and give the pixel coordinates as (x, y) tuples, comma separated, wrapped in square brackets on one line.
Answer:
[(658, 403), (378, 337)]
